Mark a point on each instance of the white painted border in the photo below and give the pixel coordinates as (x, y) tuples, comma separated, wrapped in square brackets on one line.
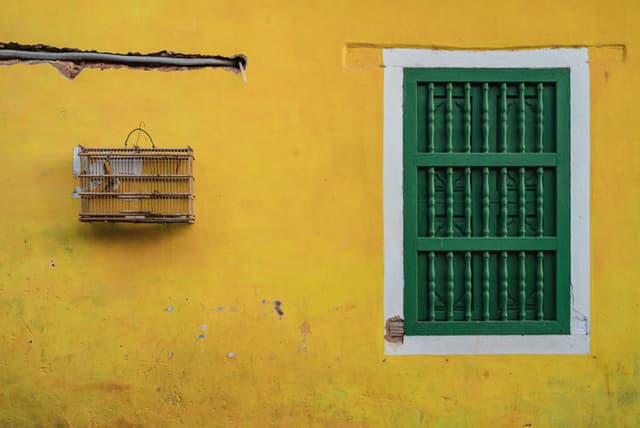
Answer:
[(395, 60)]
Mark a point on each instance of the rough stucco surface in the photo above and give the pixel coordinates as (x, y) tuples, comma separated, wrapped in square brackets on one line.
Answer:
[(101, 324)]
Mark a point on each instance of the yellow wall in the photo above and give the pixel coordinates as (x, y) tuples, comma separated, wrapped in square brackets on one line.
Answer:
[(289, 207)]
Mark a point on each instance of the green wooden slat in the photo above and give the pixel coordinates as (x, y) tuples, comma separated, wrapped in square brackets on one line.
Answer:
[(450, 284), (468, 285), (540, 117), (485, 117), (467, 117), (540, 286), (505, 286), (432, 202), (485, 201), (486, 282), (522, 202), (504, 200), (422, 297), (431, 121), (449, 202), (486, 244), (503, 116), (540, 201), (449, 117), (488, 160), (467, 201), (432, 286), (523, 285), (522, 112)]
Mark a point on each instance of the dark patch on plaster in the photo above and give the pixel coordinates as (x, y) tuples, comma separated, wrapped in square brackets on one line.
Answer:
[(277, 306), (305, 330), (394, 330)]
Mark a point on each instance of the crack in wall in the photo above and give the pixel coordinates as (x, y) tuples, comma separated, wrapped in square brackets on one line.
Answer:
[(70, 62)]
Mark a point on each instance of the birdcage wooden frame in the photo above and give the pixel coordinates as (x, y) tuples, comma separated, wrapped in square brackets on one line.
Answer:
[(135, 185)]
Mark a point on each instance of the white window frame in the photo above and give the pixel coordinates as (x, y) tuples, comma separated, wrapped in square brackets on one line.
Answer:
[(395, 61)]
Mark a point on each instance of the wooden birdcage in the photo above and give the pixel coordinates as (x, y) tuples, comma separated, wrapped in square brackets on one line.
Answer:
[(135, 185)]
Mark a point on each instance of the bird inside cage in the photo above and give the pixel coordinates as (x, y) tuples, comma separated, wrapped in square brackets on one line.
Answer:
[(105, 184)]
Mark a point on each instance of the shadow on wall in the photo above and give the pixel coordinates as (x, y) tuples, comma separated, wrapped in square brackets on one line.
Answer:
[(133, 233)]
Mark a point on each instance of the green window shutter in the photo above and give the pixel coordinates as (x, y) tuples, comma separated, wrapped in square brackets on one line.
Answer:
[(486, 201)]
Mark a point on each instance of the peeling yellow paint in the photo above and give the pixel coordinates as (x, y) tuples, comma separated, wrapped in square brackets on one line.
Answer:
[(288, 208)]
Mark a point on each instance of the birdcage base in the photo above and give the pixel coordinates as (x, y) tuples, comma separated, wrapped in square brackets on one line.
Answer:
[(136, 218)]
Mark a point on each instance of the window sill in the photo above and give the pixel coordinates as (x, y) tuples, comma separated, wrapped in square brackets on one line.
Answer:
[(452, 345)]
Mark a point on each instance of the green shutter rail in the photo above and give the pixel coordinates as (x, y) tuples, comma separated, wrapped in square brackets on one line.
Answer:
[(486, 201)]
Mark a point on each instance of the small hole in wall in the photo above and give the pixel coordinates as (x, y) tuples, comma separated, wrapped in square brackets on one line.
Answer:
[(240, 60)]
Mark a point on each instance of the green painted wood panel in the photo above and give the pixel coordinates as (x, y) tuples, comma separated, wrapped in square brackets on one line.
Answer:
[(486, 201)]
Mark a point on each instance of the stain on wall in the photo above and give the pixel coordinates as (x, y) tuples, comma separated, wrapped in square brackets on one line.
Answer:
[(100, 323)]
